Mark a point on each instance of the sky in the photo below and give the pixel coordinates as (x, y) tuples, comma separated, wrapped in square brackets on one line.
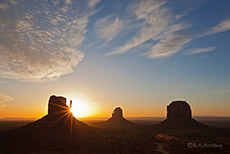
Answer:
[(137, 54)]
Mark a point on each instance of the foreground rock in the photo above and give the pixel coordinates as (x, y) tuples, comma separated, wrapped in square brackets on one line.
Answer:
[(179, 116)]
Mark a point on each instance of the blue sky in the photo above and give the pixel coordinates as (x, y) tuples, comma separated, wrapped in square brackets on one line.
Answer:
[(137, 54)]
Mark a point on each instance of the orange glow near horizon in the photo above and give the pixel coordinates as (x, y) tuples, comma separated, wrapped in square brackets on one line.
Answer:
[(80, 108), (100, 108)]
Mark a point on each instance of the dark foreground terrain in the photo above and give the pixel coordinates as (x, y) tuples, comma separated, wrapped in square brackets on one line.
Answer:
[(60, 132), (144, 137)]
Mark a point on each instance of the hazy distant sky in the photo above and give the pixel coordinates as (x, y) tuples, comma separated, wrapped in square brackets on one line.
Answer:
[(139, 55)]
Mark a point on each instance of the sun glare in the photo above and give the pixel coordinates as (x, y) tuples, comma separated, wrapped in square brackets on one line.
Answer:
[(80, 108)]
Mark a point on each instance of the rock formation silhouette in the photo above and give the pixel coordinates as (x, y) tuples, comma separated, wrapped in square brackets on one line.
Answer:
[(60, 132), (179, 116), (117, 120), (179, 110), (57, 127), (57, 105), (59, 117)]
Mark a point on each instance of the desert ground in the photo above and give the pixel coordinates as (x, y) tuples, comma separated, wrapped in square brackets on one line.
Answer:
[(142, 138)]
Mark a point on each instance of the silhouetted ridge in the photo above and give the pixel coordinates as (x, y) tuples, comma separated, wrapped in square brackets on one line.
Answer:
[(179, 116), (57, 127), (58, 122), (59, 117)]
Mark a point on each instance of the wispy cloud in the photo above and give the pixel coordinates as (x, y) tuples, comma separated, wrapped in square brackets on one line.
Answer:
[(168, 46), (152, 24), (68, 2), (37, 44), (3, 6), (157, 24), (224, 91), (199, 50), (221, 27), (171, 42), (108, 27), (93, 3), (4, 98)]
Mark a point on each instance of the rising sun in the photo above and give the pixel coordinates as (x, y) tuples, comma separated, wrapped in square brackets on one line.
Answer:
[(80, 108)]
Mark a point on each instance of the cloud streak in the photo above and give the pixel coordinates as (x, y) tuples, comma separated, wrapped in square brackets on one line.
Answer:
[(37, 44), (93, 3), (157, 24), (199, 50), (221, 27), (4, 98), (224, 91), (4, 6), (107, 28), (168, 46)]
